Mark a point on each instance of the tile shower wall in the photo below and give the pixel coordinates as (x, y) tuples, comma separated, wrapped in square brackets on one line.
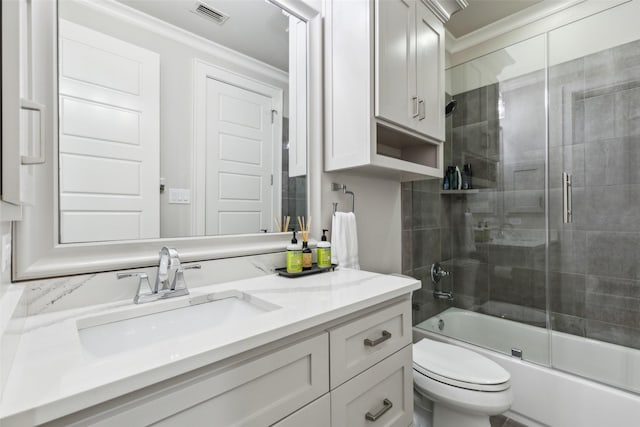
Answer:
[(594, 263)]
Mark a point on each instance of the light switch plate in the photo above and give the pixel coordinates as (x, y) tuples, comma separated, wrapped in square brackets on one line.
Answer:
[(179, 196), (6, 252)]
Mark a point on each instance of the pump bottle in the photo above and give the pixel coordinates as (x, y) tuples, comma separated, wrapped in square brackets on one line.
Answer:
[(324, 251)]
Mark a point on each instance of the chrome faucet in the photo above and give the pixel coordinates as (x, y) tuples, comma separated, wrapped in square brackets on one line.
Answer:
[(169, 264)]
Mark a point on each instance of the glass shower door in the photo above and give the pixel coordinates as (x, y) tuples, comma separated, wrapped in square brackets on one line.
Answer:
[(594, 219), (492, 237)]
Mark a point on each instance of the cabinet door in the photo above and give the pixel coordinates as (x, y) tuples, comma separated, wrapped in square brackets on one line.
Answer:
[(254, 393), (382, 396), (25, 45), (315, 414), (395, 96), (430, 73)]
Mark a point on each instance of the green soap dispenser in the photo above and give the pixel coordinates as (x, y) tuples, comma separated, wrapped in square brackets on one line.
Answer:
[(294, 256), (324, 251)]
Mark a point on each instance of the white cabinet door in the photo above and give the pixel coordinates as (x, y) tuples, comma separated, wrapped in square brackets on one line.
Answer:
[(25, 136), (430, 73), (396, 98), (383, 393), (253, 393), (315, 414)]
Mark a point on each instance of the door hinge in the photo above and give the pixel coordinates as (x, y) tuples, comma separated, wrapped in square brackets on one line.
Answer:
[(273, 114), (272, 179)]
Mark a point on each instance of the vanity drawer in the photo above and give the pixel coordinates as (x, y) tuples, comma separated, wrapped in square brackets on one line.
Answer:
[(364, 342), (382, 396)]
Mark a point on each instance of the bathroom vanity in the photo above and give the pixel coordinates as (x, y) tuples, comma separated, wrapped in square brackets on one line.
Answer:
[(332, 349)]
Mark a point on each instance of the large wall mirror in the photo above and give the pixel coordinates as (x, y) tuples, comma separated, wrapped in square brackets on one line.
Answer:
[(175, 118), (175, 122)]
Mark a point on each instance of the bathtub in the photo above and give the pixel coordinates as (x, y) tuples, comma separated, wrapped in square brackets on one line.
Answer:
[(547, 396)]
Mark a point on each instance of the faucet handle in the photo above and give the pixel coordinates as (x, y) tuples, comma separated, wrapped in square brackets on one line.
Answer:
[(437, 273), (178, 279), (144, 287)]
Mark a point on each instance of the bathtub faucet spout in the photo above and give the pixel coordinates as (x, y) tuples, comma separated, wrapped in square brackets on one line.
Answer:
[(443, 295)]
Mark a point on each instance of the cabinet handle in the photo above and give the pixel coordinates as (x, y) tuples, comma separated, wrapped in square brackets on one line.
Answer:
[(421, 107), (372, 343), (416, 109), (26, 104), (386, 405), (567, 201)]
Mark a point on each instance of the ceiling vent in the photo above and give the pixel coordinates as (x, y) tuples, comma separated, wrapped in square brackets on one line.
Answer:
[(210, 13)]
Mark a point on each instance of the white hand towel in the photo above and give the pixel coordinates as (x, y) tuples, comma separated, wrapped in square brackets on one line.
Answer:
[(344, 240)]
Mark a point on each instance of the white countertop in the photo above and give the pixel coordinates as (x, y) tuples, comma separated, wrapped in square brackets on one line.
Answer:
[(53, 375)]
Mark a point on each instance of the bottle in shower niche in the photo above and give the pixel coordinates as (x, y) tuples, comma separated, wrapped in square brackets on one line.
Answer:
[(451, 175), (466, 177)]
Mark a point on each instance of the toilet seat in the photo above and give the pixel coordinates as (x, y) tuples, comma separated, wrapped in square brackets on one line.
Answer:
[(458, 367)]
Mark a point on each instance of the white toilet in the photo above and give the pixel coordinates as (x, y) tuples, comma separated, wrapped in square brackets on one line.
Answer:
[(465, 387)]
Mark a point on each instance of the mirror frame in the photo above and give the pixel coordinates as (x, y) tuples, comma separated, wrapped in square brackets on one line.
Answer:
[(37, 252)]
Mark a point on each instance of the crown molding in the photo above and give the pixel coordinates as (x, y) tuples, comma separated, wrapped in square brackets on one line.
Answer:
[(443, 13)]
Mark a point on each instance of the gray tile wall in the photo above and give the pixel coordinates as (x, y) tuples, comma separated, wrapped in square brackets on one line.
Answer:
[(594, 263)]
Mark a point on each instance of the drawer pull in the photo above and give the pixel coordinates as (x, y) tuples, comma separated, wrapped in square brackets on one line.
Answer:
[(372, 343), (386, 405)]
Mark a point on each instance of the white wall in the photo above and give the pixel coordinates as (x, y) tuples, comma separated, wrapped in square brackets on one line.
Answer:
[(378, 217), (176, 101)]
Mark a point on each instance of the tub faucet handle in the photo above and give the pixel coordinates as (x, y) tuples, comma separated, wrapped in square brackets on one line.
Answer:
[(437, 273)]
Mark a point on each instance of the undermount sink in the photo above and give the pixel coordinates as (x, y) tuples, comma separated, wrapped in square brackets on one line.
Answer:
[(139, 326)]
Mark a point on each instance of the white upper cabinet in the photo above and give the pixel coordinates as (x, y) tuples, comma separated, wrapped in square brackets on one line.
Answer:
[(430, 73), (396, 94), (409, 68), (384, 87)]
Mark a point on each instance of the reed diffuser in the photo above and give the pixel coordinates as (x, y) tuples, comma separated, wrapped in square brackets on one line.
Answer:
[(307, 255), (284, 226)]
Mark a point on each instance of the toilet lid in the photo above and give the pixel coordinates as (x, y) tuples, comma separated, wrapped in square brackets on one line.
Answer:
[(458, 366)]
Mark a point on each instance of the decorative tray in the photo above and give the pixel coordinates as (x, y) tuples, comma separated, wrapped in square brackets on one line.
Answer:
[(314, 270)]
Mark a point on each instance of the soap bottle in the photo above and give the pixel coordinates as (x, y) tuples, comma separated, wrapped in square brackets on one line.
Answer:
[(451, 174), (294, 256), (307, 256), (324, 251)]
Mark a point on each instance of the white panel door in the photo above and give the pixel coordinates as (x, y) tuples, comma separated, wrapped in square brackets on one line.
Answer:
[(109, 138), (239, 153), (396, 97), (430, 72)]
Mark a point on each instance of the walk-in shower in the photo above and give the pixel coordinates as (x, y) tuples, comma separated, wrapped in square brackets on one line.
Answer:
[(553, 267)]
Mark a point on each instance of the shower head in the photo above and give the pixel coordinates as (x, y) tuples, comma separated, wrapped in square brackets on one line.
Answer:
[(450, 107)]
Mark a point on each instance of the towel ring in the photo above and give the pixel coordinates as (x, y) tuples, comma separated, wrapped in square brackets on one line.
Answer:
[(343, 187)]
